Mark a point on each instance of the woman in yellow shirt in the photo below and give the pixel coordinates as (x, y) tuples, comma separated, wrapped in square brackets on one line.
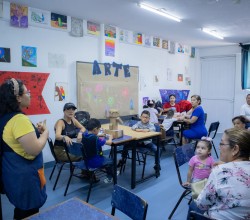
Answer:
[(22, 173)]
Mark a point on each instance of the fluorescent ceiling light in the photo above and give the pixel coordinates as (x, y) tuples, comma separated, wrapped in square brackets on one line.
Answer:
[(213, 33), (158, 11)]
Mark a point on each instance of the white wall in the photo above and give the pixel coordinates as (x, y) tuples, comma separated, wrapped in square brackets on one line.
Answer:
[(150, 61)]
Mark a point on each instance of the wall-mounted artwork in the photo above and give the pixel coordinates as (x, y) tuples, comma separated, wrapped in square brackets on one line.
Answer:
[(156, 80), (61, 91), (109, 47), (193, 52), (180, 78), (137, 38), (179, 94), (165, 44), (18, 15), (147, 41), (76, 27), (58, 21), (56, 60), (180, 48), (4, 55), (110, 31), (39, 17), (188, 80), (34, 82), (156, 42), (169, 74), (145, 101), (93, 28), (29, 56), (172, 47), (125, 36), (1, 8)]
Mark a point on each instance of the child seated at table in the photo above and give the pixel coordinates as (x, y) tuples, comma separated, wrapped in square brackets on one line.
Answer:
[(168, 122), (153, 112), (146, 126), (93, 146)]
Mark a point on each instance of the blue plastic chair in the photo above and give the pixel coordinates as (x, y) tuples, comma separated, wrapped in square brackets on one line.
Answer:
[(128, 203), (182, 155)]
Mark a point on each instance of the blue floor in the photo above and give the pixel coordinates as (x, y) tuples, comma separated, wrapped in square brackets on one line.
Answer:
[(161, 193)]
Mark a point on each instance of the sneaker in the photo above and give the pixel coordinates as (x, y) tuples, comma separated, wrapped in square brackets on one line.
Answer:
[(117, 172), (108, 180)]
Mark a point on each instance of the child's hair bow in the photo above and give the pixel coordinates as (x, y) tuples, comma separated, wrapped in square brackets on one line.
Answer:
[(206, 139)]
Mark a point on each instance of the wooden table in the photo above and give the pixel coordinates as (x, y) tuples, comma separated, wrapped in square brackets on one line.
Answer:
[(132, 137), (72, 209)]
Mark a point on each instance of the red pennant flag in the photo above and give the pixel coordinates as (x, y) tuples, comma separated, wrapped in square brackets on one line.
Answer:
[(35, 83)]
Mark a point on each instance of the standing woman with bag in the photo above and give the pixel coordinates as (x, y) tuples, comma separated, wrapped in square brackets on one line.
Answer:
[(22, 172)]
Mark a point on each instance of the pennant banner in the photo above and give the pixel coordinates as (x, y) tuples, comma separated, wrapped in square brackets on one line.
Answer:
[(35, 83)]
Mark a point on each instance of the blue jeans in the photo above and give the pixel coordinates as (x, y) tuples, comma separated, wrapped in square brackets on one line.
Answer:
[(152, 147), (193, 207)]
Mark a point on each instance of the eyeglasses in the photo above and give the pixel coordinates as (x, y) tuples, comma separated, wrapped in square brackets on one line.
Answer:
[(221, 144), (27, 93)]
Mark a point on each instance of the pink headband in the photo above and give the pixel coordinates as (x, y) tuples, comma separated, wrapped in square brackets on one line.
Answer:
[(16, 86)]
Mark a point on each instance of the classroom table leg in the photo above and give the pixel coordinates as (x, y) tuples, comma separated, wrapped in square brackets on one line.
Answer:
[(114, 148), (133, 167), (157, 170)]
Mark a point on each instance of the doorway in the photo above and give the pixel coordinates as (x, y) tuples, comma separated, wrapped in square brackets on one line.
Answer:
[(217, 89)]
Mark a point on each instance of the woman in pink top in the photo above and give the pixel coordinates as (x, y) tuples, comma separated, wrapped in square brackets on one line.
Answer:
[(201, 164)]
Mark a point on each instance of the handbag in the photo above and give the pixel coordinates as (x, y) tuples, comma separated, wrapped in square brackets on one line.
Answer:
[(197, 187)]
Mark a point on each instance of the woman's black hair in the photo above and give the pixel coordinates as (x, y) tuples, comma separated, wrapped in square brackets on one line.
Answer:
[(171, 95), (8, 100), (241, 118), (92, 124)]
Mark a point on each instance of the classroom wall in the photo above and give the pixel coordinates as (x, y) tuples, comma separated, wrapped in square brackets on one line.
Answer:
[(151, 62)]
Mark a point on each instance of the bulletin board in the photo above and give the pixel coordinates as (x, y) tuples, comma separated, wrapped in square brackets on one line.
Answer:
[(99, 91)]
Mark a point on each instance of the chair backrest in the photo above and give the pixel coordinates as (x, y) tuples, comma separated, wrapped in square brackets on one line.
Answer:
[(205, 118), (51, 146), (182, 155), (157, 128), (197, 216), (83, 117), (213, 129), (128, 203)]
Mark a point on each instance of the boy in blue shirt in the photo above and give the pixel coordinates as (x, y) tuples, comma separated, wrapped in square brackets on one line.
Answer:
[(93, 146)]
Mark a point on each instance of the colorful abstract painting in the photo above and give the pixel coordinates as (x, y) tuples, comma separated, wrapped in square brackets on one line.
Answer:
[(39, 17), (180, 77), (34, 82), (109, 48), (110, 31), (61, 90), (58, 21), (180, 48), (18, 15), (29, 56), (76, 27), (137, 38), (4, 55), (93, 28)]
